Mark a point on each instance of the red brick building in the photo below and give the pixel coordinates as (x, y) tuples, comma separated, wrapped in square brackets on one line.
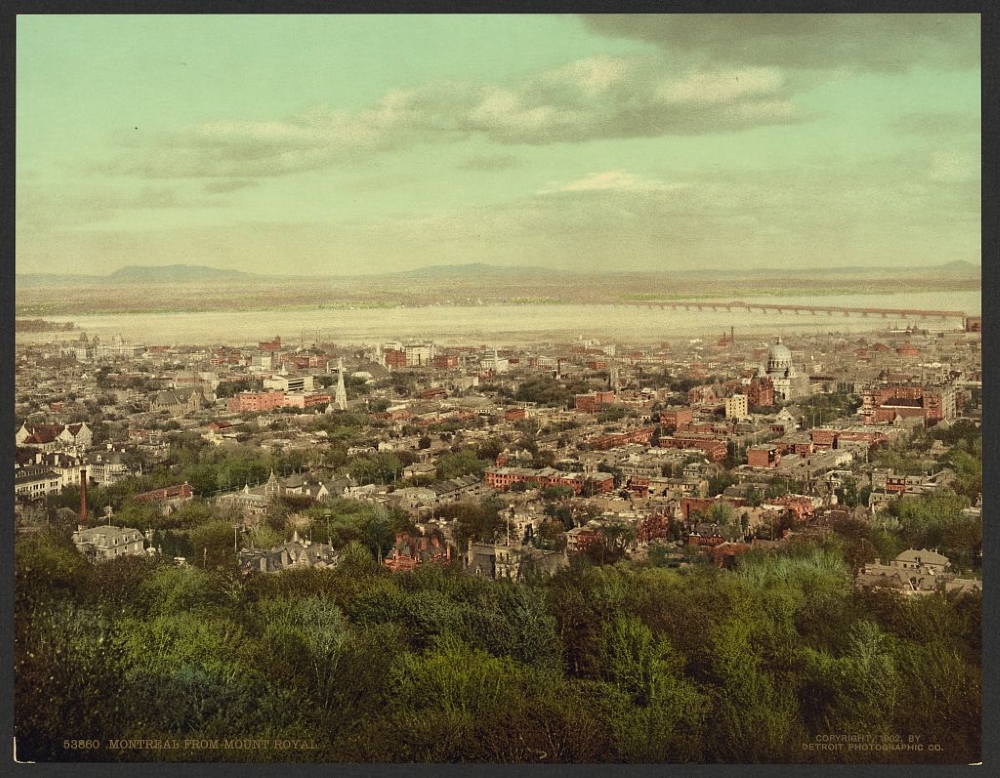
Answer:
[(394, 358), (676, 418), (435, 393), (760, 393), (505, 477), (653, 527), (593, 402), (605, 442), (825, 439), (767, 455), (409, 552), (882, 404), (254, 402), (715, 450)]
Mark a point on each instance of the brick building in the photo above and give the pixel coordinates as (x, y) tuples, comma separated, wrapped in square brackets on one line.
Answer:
[(254, 402), (593, 402), (505, 477), (760, 393), (677, 418), (883, 404), (642, 436), (715, 450), (394, 358), (767, 455)]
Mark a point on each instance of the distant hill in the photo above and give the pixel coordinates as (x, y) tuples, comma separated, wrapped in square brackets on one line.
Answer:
[(175, 274), (25, 280), (476, 271), (157, 274), (479, 269)]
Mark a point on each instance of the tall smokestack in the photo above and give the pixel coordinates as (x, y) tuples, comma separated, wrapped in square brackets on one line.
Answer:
[(83, 497)]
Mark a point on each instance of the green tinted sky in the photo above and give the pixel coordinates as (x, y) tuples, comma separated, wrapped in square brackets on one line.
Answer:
[(352, 144)]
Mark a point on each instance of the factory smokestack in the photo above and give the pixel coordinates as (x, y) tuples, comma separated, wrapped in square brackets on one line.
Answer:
[(83, 497)]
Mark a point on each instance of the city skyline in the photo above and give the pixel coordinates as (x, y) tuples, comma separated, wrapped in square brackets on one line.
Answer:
[(366, 144)]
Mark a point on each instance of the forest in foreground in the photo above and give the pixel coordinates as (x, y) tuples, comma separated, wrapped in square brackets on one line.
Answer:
[(780, 660)]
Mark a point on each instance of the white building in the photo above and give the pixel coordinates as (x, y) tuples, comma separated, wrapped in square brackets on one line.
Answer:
[(419, 354), (108, 542), (737, 407), (783, 374)]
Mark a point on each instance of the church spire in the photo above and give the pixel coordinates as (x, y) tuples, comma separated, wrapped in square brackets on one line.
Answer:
[(340, 399)]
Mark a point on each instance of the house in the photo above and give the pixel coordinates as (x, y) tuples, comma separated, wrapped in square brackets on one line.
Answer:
[(295, 554), (513, 563), (580, 539), (409, 552), (109, 542), (32, 483), (66, 465), (107, 467), (55, 437), (177, 402), (420, 470), (916, 572), (253, 501), (169, 498)]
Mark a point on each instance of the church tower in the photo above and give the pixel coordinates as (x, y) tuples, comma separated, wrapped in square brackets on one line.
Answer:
[(340, 399)]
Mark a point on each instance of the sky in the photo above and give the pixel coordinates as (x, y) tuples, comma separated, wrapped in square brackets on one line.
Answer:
[(347, 144)]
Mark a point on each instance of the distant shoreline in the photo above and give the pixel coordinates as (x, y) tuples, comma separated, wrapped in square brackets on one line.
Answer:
[(40, 302)]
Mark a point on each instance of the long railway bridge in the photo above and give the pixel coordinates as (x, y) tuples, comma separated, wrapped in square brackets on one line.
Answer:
[(831, 310)]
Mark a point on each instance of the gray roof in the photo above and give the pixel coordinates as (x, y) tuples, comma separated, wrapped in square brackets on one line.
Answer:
[(924, 555), (107, 534)]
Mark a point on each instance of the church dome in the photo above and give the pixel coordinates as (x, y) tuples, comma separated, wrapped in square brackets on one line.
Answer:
[(779, 357)]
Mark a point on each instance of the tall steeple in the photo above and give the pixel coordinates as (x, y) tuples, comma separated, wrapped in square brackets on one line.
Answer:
[(340, 399)]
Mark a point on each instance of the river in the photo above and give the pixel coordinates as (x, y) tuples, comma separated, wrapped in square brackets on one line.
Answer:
[(506, 324)]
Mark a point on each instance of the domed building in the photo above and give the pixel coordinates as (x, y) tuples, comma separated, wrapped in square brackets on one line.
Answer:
[(779, 358), (781, 371)]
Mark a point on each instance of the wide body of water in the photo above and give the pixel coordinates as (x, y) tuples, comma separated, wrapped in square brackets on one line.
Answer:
[(507, 324)]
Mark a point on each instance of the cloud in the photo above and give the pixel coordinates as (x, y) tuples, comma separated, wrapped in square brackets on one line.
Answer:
[(593, 76), (592, 99), (725, 86), (865, 211), (842, 212), (880, 42), (612, 181), (44, 207), (491, 162)]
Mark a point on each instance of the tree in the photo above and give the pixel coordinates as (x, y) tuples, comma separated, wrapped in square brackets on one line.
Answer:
[(318, 626), (665, 714), (721, 513), (462, 462)]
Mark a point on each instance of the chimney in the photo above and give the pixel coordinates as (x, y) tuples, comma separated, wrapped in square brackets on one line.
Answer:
[(83, 497)]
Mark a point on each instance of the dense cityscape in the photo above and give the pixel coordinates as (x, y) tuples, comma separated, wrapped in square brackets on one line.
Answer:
[(374, 550), (497, 388)]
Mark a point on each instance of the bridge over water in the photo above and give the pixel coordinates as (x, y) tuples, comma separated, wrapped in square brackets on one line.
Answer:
[(830, 310)]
